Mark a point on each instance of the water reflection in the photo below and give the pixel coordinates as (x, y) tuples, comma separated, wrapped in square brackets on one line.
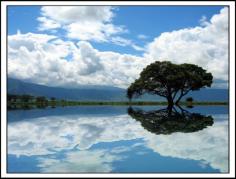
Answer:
[(79, 161), (28, 106), (167, 121), (106, 139)]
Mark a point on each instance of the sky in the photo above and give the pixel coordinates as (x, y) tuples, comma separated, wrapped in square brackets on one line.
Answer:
[(69, 46)]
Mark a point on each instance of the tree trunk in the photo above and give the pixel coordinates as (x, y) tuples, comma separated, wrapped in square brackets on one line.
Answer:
[(170, 101), (169, 109)]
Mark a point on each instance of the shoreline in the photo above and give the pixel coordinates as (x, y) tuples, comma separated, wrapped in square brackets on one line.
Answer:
[(111, 103)]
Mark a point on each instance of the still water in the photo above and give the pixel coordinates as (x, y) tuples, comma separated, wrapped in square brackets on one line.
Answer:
[(119, 139)]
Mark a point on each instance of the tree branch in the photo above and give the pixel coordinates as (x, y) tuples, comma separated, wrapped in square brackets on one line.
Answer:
[(186, 92), (181, 95), (175, 95)]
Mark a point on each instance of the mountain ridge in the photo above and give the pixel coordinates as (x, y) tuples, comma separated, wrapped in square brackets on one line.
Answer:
[(102, 93)]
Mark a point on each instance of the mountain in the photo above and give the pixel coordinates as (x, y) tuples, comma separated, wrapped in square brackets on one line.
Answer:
[(83, 93), (101, 93)]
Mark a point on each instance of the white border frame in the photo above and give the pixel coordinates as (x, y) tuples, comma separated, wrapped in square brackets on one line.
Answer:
[(138, 175)]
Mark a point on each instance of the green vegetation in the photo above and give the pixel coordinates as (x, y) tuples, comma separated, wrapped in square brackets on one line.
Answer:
[(169, 80), (28, 102), (165, 121), (189, 101)]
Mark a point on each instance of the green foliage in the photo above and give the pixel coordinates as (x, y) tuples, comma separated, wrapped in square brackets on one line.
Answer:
[(52, 99), (41, 99), (165, 121), (189, 99), (18, 102), (169, 80), (26, 98)]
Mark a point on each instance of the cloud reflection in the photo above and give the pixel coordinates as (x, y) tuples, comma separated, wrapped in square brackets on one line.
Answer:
[(47, 136), (79, 161)]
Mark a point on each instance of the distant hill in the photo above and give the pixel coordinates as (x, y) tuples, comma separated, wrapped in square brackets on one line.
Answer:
[(101, 93), (83, 93)]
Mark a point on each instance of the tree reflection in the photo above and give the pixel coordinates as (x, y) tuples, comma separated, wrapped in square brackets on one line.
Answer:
[(169, 120)]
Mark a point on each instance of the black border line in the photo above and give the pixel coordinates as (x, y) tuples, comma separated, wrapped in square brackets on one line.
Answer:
[(109, 173)]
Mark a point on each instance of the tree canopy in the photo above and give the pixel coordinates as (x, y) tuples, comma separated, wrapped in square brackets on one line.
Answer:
[(165, 121), (172, 81)]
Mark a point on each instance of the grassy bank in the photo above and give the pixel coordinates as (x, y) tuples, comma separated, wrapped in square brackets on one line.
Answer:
[(110, 103)]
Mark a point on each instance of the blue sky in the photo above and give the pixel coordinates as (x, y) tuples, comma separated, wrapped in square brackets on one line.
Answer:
[(147, 20), (140, 33)]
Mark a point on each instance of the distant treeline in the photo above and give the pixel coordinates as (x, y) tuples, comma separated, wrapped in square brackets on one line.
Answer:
[(13, 98), (29, 101)]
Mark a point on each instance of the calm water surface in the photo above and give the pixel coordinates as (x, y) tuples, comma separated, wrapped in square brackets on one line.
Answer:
[(118, 139)]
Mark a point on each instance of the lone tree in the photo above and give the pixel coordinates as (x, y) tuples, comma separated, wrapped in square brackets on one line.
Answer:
[(169, 80)]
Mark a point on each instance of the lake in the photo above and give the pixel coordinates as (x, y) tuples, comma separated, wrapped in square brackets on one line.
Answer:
[(118, 139)]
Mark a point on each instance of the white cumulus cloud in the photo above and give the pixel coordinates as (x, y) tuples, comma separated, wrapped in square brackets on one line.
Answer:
[(206, 45), (70, 14), (47, 59), (47, 24), (81, 22)]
